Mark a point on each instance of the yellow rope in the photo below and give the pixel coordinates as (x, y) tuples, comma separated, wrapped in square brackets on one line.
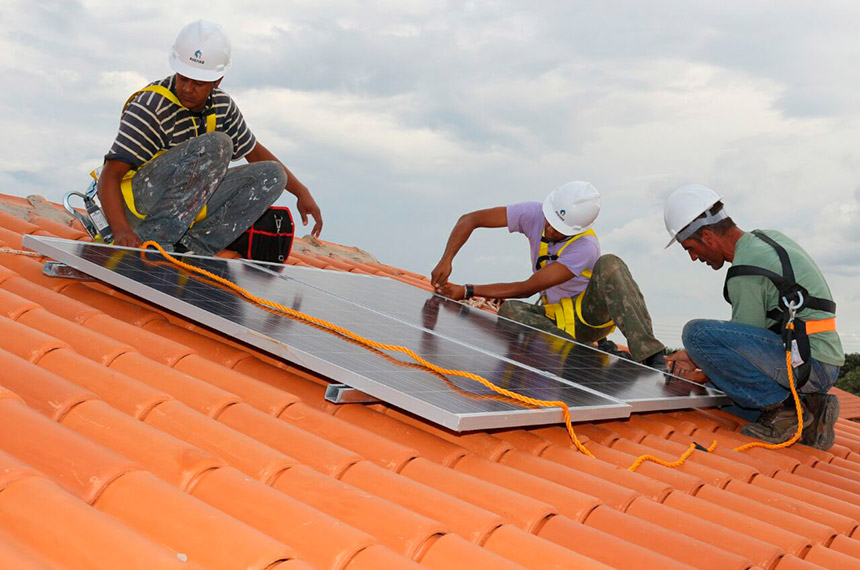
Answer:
[(797, 407), (468, 375)]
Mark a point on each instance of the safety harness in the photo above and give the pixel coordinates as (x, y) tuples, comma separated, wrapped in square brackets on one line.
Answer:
[(793, 298), (125, 185), (567, 311)]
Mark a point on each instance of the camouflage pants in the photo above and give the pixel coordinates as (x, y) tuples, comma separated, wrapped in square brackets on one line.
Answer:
[(172, 189), (611, 295)]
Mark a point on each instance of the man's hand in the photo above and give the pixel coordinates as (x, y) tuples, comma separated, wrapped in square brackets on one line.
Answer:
[(453, 292), (440, 274), (307, 206), (305, 203), (126, 238), (680, 364)]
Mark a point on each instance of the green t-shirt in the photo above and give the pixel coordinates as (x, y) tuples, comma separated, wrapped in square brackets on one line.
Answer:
[(752, 296)]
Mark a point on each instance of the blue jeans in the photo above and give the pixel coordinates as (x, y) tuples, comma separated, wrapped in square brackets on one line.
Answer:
[(748, 362)]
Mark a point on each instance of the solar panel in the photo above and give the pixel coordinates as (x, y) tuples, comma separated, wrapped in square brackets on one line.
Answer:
[(453, 402), (639, 386)]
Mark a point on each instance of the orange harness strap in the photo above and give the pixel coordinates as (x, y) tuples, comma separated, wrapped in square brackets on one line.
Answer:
[(823, 325)]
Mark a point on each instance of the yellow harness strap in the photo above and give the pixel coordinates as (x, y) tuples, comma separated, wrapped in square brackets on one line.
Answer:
[(566, 312), (543, 251), (125, 185)]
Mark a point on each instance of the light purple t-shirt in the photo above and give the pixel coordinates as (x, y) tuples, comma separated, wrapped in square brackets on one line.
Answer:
[(527, 218)]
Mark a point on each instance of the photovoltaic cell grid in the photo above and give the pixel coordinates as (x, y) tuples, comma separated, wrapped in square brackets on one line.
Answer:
[(453, 402), (639, 386)]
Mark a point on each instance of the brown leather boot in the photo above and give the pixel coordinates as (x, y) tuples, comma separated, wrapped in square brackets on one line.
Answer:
[(777, 423), (819, 432)]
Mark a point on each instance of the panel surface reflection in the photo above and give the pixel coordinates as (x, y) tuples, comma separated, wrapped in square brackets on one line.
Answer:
[(640, 386), (390, 376)]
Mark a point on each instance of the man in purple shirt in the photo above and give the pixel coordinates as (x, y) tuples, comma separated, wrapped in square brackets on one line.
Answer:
[(584, 295)]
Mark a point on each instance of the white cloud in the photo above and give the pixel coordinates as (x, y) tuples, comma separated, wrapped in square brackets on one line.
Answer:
[(400, 116)]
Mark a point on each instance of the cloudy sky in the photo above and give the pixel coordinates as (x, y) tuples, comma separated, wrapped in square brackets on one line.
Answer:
[(400, 115)]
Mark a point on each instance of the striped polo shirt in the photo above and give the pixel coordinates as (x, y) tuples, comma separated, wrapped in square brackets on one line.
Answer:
[(151, 123)]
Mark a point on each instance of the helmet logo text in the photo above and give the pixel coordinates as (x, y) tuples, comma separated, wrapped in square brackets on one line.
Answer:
[(197, 57)]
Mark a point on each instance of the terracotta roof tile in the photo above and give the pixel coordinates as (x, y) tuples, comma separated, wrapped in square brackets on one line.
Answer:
[(40, 389), (469, 521), (10, 238), (168, 445), (815, 479), (120, 391), (850, 546), (324, 456), (618, 552), (130, 313), (385, 452), (14, 554), (246, 454), (685, 548), (12, 306), (430, 446), (454, 552), (402, 530), (810, 511), (610, 493), (210, 348), (17, 225), (58, 229), (829, 558), (172, 459), (760, 552), (795, 563), (259, 394), (786, 540), (795, 487), (849, 404), (202, 533), (525, 512), (569, 502), (53, 302), (632, 480), (534, 552), (58, 452), (785, 519), (320, 539), (27, 343), (673, 477), (43, 517), (193, 392)]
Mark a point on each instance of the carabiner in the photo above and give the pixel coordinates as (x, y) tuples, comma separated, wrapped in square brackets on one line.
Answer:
[(793, 306)]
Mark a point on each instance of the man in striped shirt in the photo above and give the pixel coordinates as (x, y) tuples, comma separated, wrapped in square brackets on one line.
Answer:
[(166, 176)]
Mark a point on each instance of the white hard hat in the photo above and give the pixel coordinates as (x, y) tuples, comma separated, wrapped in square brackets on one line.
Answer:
[(572, 208), (201, 52), (685, 205)]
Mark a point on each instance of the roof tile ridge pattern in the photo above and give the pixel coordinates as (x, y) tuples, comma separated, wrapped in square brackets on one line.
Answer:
[(380, 462)]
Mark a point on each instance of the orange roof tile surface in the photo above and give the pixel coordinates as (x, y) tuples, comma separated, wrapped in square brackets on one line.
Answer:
[(133, 438)]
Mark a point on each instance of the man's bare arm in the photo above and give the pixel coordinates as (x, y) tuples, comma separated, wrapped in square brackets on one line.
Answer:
[(110, 196), (305, 203), (489, 218), (551, 275)]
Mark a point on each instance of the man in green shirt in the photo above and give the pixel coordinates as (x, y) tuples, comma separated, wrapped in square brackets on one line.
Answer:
[(746, 357)]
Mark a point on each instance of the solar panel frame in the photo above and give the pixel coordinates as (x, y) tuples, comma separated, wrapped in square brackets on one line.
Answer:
[(417, 391)]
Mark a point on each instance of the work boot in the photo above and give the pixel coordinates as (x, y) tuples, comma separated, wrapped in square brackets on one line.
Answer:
[(818, 432), (657, 361), (777, 423), (610, 347)]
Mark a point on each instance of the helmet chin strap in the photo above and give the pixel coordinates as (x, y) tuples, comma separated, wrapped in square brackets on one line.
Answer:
[(698, 223)]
